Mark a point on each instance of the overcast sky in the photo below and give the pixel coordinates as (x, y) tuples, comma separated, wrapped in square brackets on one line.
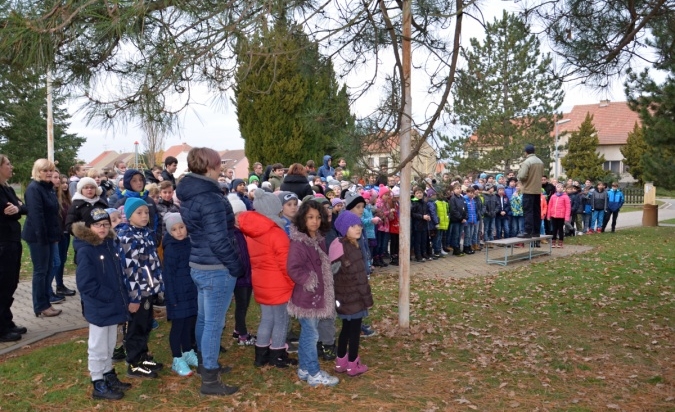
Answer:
[(215, 125)]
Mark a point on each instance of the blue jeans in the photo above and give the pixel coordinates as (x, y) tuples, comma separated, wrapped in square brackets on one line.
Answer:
[(214, 294), (447, 238), (502, 224), (309, 335), (455, 234), (437, 241), (587, 221), (43, 261), (469, 230), (52, 273), (57, 272), (489, 231), (517, 225), (597, 219), (382, 243)]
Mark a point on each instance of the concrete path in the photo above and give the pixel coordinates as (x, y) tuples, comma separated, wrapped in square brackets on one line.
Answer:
[(467, 266)]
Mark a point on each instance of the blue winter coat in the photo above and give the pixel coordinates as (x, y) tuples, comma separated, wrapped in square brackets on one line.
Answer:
[(180, 291), (326, 171), (99, 277), (431, 207), (615, 200), (42, 222), (209, 219)]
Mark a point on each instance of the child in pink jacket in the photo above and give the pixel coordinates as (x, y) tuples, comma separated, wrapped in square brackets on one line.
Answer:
[(559, 212)]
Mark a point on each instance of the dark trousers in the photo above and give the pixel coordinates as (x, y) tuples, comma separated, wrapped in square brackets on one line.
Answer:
[(64, 243), (349, 338), (242, 299), (181, 335), (10, 256), (532, 213), (558, 231), (613, 215), (420, 239), (138, 332), (394, 244)]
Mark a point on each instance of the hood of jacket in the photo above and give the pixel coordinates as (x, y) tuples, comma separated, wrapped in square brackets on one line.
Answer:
[(85, 235), (326, 158), (193, 185), (130, 173), (254, 224), (296, 179)]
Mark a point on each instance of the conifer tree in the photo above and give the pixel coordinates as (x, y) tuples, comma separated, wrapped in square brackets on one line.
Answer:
[(289, 106), (505, 98), (582, 161), (633, 152)]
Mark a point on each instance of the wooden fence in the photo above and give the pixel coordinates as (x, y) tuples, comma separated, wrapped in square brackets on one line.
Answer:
[(634, 195)]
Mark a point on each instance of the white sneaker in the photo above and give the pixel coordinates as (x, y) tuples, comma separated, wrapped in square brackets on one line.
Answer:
[(303, 374), (443, 252), (322, 378)]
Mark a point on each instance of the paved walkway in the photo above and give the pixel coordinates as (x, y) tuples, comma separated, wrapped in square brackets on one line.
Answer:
[(470, 266)]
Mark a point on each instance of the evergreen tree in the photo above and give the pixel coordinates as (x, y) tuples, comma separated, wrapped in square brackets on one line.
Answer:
[(23, 125), (633, 152), (289, 106), (582, 161), (505, 98)]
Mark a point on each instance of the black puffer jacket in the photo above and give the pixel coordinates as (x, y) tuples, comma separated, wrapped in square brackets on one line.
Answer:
[(298, 185)]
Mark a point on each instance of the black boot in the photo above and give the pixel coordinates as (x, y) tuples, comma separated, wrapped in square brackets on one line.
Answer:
[(457, 252), (319, 349), (114, 383), (376, 262), (262, 356), (394, 260), (383, 263), (279, 358), (211, 384), (200, 365), (103, 391), (329, 352)]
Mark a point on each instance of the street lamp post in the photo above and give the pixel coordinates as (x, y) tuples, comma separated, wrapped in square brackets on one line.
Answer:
[(557, 152)]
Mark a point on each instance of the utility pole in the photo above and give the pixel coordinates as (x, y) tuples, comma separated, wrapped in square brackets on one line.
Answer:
[(406, 122)]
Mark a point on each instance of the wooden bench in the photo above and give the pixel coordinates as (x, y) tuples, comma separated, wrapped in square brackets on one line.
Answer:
[(508, 245)]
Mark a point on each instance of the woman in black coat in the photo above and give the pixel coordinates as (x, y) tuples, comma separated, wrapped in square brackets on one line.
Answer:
[(11, 210), (42, 233), (296, 181)]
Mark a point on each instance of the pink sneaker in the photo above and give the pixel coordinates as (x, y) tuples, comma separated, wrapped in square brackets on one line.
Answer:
[(341, 364), (356, 368)]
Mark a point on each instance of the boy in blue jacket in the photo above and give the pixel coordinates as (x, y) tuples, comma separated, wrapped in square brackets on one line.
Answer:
[(104, 295), (615, 201)]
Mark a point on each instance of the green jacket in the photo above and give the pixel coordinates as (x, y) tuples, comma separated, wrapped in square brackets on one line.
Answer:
[(442, 212), (530, 173)]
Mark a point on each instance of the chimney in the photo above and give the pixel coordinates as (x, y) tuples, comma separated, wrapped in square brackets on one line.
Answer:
[(604, 103)]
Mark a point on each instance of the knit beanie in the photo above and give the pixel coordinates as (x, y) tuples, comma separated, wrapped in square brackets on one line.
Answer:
[(253, 178), (345, 220), (383, 191), (238, 205), (96, 215), (266, 203), (88, 181), (352, 199), (366, 194), (336, 202), (111, 210), (395, 191), (235, 183), (431, 192), (171, 219), (286, 197), (131, 204)]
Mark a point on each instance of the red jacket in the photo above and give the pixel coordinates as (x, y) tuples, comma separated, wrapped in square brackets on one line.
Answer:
[(268, 249), (559, 207)]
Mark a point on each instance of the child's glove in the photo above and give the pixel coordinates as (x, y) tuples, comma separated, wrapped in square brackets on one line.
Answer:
[(376, 220)]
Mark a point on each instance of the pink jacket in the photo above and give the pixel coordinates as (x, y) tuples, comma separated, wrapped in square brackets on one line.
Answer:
[(559, 207)]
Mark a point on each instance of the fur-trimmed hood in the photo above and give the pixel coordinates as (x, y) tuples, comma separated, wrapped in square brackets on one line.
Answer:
[(314, 242), (87, 235)]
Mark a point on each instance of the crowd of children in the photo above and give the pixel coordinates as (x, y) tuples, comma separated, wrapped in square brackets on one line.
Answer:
[(307, 258)]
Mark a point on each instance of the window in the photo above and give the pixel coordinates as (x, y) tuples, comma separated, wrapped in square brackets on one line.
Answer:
[(613, 165), (371, 162), (384, 163)]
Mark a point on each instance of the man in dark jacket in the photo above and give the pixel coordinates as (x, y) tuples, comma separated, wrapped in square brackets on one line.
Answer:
[(239, 187), (170, 166)]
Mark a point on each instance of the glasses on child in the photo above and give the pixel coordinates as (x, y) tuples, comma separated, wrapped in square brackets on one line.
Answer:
[(101, 225)]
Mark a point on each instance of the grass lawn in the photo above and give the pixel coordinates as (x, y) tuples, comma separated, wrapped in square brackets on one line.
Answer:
[(669, 221), (587, 332)]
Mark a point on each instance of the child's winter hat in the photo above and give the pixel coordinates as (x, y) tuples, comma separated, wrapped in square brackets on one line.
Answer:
[(336, 202), (237, 204), (251, 188), (128, 175), (286, 197), (431, 191), (266, 203), (345, 220), (396, 191), (483, 176), (352, 199), (96, 215), (366, 194), (88, 181), (171, 219), (131, 204), (383, 191), (111, 210)]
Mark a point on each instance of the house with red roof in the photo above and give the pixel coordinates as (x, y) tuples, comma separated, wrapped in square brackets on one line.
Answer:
[(613, 122), (237, 160), (180, 152)]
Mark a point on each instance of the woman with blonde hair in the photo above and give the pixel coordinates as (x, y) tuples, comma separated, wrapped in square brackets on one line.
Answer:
[(41, 231), (11, 210)]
